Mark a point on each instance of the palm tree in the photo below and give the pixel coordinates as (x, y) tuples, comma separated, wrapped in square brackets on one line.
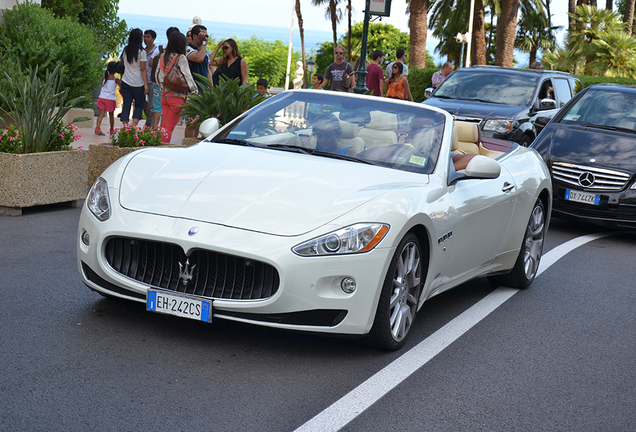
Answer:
[(628, 18), (334, 13), (349, 11), (571, 12), (418, 10), (591, 23), (534, 31), (614, 55), (506, 29), (302, 39)]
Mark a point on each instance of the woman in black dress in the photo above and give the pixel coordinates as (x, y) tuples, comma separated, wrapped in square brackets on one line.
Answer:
[(231, 65)]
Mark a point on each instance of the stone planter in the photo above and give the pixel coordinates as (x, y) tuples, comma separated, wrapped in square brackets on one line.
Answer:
[(187, 142), (102, 155), (33, 179)]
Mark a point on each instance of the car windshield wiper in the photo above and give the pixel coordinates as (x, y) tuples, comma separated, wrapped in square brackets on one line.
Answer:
[(443, 97), (481, 100), (291, 148), (608, 127), (238, 142), (339, 156)]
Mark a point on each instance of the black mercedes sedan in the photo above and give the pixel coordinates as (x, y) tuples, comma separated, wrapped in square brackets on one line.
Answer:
[(590, 149)]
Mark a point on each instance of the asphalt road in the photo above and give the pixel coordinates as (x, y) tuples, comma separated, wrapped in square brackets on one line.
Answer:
[(556, 357)]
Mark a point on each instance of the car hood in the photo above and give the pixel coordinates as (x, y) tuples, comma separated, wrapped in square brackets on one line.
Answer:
[(482, 110), (578, 145), (262, 190)]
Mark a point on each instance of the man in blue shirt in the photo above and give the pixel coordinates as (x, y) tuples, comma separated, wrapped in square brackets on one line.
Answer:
[(196, 53)]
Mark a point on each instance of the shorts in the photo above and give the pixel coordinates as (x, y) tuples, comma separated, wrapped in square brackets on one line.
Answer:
[(156, 98), (106, 104)]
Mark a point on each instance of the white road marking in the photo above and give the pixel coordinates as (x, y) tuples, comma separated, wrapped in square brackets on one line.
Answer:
[(336, 416)]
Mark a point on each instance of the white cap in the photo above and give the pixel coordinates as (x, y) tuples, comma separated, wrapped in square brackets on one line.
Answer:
[(196, 21)]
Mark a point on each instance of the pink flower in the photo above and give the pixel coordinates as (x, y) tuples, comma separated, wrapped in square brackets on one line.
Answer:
[(81, 149)]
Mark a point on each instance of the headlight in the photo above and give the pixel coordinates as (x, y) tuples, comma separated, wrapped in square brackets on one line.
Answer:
[(498, 126), (98, 201), (356, 238)]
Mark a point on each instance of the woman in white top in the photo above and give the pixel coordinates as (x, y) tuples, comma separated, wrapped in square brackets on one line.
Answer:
[(134, 81)]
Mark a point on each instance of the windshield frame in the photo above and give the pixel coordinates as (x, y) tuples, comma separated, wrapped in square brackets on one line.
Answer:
[(410, 124), (461, 76)]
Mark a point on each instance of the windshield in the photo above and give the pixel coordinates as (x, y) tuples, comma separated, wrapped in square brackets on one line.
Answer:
[(489, 86), (606, 108), (327, 124)]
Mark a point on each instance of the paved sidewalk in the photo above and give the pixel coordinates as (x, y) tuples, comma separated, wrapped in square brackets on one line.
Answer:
[(89, 137)]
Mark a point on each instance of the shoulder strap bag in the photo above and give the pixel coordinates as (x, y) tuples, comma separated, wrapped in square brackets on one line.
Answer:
[(174, 79)]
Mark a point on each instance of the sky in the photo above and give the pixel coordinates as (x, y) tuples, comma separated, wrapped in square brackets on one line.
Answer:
[(278, 13)]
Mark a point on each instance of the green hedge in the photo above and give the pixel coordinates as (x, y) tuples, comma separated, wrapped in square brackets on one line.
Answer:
[(32, 36), (419, 81), (587, 81)]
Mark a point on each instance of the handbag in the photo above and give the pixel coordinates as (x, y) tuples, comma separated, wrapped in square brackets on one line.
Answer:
[(175, 80)]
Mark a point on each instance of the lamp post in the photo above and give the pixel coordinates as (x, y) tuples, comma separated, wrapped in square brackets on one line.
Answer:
[(310, 69), (361, 73)]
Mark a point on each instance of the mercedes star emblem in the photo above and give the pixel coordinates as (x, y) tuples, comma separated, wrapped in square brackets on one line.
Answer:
[(587, 179)]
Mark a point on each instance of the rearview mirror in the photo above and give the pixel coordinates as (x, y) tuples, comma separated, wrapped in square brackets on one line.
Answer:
[(482, 167), (209, 126), (428, 92), (547, 104)]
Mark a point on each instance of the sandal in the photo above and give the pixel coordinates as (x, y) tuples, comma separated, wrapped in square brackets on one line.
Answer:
[(112, 131), (98, 131)]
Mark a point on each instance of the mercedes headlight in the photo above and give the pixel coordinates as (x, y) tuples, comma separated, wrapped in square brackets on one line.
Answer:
[(498, 126), (98, 201), (356, 238)]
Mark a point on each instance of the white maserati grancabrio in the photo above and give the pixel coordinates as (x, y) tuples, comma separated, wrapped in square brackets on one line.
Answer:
[(317, 211)]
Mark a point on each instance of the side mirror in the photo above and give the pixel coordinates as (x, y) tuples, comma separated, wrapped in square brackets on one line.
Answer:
[(482, 167), (428, 92), (547, 104), (209, 126)]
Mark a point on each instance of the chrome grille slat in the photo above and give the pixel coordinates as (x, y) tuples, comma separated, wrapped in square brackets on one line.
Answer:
[(607, 180), (216, 275)]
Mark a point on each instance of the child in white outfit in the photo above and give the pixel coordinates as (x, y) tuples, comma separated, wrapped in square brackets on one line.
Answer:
[(107, 100)]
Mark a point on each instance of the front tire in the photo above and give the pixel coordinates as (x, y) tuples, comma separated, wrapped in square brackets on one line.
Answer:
[(527, 264), (400, 296)]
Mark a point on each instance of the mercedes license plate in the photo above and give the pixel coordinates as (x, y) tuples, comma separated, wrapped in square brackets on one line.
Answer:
[(180, 305), (582, 197)]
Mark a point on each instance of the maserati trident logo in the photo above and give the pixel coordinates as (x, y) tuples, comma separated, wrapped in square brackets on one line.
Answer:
[(587, 179), (185, 273)]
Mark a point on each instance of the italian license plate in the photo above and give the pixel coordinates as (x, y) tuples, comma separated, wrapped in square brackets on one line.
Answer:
[(582, 197), (180, 305)]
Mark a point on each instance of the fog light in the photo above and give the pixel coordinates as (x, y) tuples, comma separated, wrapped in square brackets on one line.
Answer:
[(348, 285), (85, 238)]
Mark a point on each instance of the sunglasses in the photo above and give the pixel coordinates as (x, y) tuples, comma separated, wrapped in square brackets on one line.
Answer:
[(225, 47), (395, 67), (340, 52)]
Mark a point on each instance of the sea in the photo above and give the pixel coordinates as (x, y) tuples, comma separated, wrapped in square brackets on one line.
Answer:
[(225, 30)]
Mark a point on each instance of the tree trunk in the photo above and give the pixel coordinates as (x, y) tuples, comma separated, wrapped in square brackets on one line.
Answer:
[(506, 29), (478, 56), (571, 22), (302, 41), (349, 37), (334, 24), (419, 27), (609, 4), (629, 15)]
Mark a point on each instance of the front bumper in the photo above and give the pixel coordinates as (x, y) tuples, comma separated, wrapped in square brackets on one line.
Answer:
[(616, 209), (309, 297)]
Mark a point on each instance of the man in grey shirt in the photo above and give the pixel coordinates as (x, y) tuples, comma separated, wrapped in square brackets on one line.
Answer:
[(401, 57)]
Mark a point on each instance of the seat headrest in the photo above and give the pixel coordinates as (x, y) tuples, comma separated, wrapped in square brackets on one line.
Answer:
[(349, 130), (382, 121), (467, 131)]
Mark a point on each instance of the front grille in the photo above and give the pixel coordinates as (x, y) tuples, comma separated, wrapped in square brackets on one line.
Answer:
[(204, 273), (601, 179)]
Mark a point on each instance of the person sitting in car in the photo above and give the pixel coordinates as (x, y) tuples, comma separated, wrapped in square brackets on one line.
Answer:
[(327, 132)]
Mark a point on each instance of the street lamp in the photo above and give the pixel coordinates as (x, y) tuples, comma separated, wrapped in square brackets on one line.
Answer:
[(310, 66), (378, 8), (463, 39)]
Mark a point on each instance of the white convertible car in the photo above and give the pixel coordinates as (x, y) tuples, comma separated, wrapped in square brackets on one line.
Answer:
[(317, 211)]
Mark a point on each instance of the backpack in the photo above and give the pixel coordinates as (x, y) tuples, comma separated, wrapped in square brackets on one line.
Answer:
[(155, 62)]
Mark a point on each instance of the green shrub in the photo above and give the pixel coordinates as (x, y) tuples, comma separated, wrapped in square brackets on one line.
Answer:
[(587, 81), (225, 101), (419, 81), (37, 108), (132, 136), (32, 35), (13, 70)]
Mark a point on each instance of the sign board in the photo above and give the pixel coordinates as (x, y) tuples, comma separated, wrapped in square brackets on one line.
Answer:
[(380, 7)]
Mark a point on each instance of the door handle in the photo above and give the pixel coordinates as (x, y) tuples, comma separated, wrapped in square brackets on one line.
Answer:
[(507, 187)]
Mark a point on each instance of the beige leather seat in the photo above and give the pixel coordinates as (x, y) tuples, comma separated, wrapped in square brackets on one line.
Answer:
[(349, 137), (493, 154), (465, 138), (380, 131)]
